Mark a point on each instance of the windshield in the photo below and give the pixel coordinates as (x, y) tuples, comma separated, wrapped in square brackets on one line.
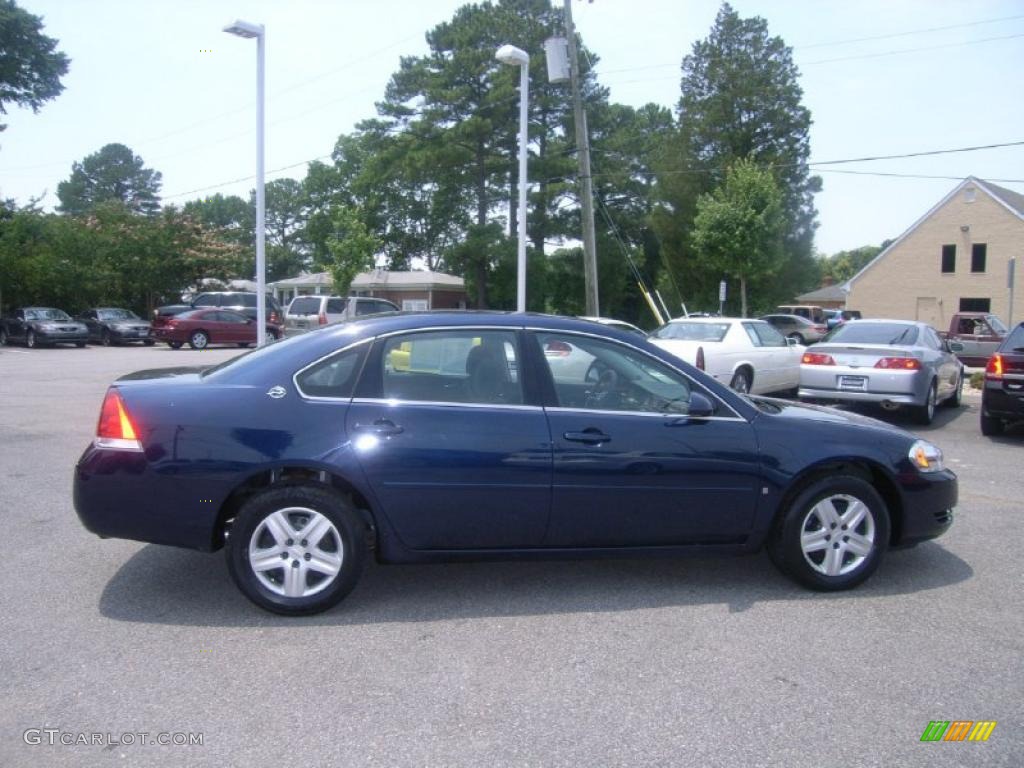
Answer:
[(46, 314), (873, 333), (685, 331), (996, 324), (118, 314)]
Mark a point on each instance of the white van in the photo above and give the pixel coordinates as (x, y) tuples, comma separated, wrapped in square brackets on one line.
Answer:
[(308, 312)]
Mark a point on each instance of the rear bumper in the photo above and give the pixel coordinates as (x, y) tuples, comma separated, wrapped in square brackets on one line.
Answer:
[(929, 501), (998, 402), (857, 397)]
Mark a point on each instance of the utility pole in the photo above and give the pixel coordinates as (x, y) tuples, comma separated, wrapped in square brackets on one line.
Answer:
[(583, 155)]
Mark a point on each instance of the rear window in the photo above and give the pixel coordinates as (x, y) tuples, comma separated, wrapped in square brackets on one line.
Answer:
[(305, 305), (336, 306), (692, 331), (874, 333), (1015, 341)]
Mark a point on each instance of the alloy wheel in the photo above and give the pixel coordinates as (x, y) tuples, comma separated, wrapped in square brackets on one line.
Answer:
[(837, 535), (296, 552)]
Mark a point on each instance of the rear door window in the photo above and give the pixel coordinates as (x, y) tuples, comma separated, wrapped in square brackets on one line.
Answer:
[(305, 305), (336, 306)]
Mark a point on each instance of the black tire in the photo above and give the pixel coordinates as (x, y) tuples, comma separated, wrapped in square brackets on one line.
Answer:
[(803, 517), (954, 400), (148, 342), (3, 337), (741, 381), (174, 344), (80, 344), (243, 344), (30, 340), (199, 340), (798, 337), (348, 536), (991, 426), (924, 414), (105, 338)]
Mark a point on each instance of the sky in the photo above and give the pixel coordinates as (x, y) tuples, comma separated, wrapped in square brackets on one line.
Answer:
[(880, 77)]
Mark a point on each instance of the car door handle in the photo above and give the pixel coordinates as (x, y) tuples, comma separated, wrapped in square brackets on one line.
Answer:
[(590, 436), (383, 427)]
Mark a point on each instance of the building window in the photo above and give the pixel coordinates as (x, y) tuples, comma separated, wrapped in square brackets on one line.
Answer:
[(978, 253), (975, 305), (969, 194), (414, 305), (948, 259)]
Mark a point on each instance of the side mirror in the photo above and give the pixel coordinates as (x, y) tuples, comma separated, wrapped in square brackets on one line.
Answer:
[(700, 406)]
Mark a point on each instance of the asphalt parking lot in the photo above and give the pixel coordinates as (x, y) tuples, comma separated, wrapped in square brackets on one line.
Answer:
[(641, 662)]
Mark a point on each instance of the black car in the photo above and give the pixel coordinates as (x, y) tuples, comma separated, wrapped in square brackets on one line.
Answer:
[(41, 326), (437, 436), (1002, 399), (237, 301), (110, 325)]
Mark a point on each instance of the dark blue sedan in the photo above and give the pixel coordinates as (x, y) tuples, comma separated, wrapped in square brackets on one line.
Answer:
[(438, 436)]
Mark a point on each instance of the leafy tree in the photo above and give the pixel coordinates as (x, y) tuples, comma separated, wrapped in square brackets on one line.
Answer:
[(740, 99), (112, 174), (30, 65), (352, 247), (840, 267), (739, 226)]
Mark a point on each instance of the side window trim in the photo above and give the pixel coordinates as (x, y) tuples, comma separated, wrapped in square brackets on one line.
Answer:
[(357, 378)]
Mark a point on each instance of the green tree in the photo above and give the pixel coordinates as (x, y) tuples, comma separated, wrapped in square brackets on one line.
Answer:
[(30, 65), (113, 173), (739, 227), (287, 251), (352, 248), (841, 266), (740, 99)]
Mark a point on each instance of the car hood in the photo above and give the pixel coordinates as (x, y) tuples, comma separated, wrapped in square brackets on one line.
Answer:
[(788, 409)]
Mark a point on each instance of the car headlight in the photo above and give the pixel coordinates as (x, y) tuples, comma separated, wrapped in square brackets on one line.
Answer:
[(926, 457)]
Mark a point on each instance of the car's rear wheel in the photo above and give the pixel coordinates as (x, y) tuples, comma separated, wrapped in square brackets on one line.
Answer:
[(991, 425), (199, 340), (174, 344), (30, 340), (955, 399), (243, 344), (105, 339), (741, 381), (80, 344), (3, 337), (297, 549), (833, 535), (148, 342), (925, 413)]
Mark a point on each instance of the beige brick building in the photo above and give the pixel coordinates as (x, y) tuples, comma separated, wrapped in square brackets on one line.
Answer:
[(953, 259)]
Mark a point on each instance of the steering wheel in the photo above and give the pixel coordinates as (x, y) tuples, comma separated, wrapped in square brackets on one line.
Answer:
[(606, 382), (594, 371)]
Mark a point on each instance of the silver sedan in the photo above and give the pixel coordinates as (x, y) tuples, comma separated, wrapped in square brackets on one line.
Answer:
[(896, 363)]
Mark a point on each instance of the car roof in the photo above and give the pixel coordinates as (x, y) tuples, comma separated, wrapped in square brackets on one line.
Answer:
[(711, 320)]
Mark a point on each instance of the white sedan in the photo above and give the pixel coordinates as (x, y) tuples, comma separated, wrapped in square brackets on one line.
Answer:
[(748, 355)]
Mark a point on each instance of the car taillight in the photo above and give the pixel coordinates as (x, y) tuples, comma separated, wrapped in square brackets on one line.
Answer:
[(899, 363), (274, 318), (557, 349), (994, 368), (322, 318), (816, 358), (700, 358), (821, 328), (115, 429)]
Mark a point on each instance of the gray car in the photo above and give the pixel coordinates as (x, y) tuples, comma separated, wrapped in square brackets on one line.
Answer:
[(895, 363), (795, 327)]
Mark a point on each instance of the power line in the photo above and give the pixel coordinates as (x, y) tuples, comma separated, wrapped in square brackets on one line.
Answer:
[(243, 178), (913, 175), (912, 50)]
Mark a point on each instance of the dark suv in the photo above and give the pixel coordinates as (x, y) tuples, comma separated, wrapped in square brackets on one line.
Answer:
[(1002, 399), (238, 301)]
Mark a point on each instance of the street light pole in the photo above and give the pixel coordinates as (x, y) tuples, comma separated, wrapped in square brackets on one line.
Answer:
[(509, 54), (248, 30)]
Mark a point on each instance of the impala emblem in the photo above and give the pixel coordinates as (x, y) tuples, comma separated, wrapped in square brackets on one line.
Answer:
[(277, 392)]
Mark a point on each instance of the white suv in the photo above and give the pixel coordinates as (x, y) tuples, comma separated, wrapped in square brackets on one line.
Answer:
[(307, 312)]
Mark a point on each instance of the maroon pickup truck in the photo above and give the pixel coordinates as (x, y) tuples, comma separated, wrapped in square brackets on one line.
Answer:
[(974, 336)]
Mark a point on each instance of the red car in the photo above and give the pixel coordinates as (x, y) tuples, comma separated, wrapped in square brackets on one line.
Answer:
[(202, 327)]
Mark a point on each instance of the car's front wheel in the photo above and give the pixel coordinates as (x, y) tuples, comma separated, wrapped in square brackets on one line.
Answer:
[(797, 337), (199, 340), (297, 549), (741, 381), (3, 337), (30, 340), (833, 534), (957, 397), (174, 344), (106, 339)]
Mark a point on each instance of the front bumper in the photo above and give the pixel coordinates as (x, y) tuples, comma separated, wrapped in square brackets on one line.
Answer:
[(130, 334), (929, 501), (61, 337)]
